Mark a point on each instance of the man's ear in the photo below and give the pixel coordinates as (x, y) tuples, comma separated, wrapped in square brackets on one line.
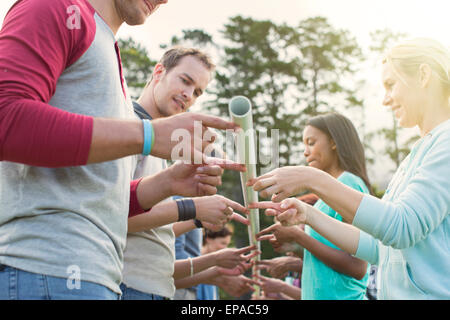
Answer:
[(158, 72), (424, 74)]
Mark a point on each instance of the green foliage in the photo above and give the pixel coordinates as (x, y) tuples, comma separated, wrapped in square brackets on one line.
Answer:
[(377, 192), (137, 65), (327, 56), (195, 38)]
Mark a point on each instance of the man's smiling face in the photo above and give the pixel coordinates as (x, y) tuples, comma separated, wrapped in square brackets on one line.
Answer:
[(177, 90)]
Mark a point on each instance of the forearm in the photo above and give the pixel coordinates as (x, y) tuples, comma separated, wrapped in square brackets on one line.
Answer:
[(343, 235), (337, 260), (205, 276), (37, 134), (294, 265), (154, 189), (160, 215), (62, 139), (183, 267), (337, 195), (292, 292), (113, 139), (182, 227)]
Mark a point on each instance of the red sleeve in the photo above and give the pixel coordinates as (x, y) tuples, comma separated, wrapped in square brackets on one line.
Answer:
[(36, 46), (135, 207)]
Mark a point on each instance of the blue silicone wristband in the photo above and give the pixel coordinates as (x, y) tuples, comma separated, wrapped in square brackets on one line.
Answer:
[(148, 130)]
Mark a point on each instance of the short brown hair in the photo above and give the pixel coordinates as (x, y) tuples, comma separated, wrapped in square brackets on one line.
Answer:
[(172, 57)]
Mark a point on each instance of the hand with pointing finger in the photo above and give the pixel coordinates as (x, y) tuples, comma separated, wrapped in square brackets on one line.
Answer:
[(289, 212), (189, 180), (279, 267), (284, 182), (197, 125), (230, 258), (218, 210), (236, 271), (235, 286), (281, 233), (270, 285)]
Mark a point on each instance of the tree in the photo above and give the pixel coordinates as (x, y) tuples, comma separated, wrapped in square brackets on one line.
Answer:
[(330, 58), (256, 63), (137, 65), (192, 37)]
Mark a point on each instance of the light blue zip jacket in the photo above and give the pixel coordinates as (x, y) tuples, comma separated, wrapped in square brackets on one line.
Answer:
[(407, 232)]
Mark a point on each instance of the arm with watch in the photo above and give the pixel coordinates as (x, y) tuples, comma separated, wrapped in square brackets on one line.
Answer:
[(216, 210)]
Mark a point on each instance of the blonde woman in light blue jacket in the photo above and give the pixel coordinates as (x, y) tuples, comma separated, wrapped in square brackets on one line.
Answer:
[(407, 232)]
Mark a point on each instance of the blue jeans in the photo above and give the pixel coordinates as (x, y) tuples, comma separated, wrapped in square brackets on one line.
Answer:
[(133, 294), (17, 284)]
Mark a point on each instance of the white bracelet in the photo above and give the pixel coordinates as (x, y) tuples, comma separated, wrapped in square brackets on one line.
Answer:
[(192, 266)]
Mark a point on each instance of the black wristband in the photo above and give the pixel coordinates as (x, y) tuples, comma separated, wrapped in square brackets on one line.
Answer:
[(198, 223), (190, 208), (186, 209), (181, 209)]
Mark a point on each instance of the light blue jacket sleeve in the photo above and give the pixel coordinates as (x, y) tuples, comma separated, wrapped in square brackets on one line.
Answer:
[(418, 209), (367, 248)]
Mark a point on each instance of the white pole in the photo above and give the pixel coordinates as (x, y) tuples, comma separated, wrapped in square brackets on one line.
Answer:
[(240, 109)]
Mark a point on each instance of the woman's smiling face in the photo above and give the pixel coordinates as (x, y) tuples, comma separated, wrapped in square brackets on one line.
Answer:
[(403, 96)]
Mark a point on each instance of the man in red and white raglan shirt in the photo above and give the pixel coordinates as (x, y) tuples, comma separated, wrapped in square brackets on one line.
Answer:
[(67, 140)]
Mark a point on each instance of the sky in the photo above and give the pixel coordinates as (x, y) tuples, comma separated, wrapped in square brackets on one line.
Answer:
[(415, 17)]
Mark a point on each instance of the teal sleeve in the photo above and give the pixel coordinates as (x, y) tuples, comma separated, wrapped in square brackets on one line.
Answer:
[(419, 209), (353, 182)]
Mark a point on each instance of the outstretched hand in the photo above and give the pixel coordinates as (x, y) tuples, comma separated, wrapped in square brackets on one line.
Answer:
[(219, 210), (281, 233), (269, 285), (282, 183), (198, 139), (276, 267), (191, 180), (230, 258), (236, 286), (289, 212)]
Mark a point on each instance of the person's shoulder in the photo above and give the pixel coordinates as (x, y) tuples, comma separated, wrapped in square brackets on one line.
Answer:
[(61, 19), (438, 140), (352, 181), (45, 8), (347, 176), (441, 132)]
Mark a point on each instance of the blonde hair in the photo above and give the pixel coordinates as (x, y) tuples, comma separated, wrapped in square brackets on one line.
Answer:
[(407, 56)]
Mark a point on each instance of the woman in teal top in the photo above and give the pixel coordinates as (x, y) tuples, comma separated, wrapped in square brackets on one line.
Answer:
[(332, 145), (407, 232), (322, 282)]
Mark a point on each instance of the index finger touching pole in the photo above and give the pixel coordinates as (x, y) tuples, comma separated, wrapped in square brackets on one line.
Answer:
[(240, 110)]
